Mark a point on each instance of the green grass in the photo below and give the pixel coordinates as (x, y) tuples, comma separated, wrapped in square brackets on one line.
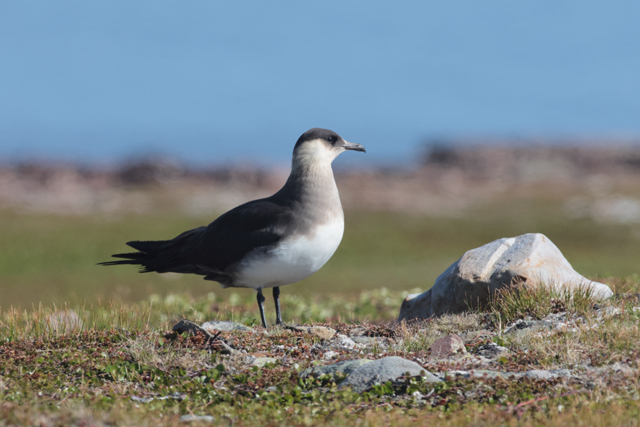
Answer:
[(520, 301), (52, 259)]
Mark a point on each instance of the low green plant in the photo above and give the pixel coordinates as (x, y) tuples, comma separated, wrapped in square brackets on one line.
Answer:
[(520, 300)]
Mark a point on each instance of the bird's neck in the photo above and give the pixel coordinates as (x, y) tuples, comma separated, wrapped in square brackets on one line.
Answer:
[(314, 187)]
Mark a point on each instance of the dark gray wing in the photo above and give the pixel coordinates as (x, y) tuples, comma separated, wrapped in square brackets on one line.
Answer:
[(236, 233), (206, 250)]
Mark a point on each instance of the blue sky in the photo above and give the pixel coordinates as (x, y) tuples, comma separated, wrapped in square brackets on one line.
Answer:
[(213, 82)]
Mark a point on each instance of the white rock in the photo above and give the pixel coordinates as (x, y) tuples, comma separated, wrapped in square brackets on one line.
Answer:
[(343, 342), (219, 325), (330, 354), (197, 418), (261, 361), (530, 258)]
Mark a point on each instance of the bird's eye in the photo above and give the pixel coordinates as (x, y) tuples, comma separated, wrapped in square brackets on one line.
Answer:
[(331, 139)]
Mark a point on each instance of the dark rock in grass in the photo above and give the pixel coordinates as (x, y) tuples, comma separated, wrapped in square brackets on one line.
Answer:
[(223, 326), (492, 350), (346, 368), (212, 340), (190, 327), (530, 259), (383, 370), (534, 325), (447, 346)]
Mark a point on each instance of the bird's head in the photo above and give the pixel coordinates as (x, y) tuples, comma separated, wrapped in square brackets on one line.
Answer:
[(321, 145)]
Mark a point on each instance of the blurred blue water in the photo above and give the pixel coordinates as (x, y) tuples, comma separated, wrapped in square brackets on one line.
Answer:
[(228, 81)]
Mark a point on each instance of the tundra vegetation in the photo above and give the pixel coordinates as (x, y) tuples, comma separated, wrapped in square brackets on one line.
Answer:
[(85, 345)]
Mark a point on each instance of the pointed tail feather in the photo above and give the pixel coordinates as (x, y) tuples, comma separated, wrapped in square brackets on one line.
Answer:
[(161, 255)]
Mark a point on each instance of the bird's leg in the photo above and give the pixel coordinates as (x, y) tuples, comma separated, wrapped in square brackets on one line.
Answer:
[(276, 298), (261, 305)]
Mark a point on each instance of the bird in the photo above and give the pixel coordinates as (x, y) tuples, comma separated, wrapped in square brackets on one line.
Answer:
[(264, 243)]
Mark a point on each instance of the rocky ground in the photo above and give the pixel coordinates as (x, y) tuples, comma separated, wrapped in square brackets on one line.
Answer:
[(597, 181), (520, 364)]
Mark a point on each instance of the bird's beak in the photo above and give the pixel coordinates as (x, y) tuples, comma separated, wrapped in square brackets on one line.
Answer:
[(355, 147)]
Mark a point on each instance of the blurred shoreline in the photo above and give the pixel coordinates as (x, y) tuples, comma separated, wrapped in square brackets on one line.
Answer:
[(589, 180)]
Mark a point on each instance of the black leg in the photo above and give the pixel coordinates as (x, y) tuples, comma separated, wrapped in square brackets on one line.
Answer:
[(276, 298), (261, 305)]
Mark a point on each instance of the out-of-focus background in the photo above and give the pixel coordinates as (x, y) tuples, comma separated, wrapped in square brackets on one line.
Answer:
[(137, 120)]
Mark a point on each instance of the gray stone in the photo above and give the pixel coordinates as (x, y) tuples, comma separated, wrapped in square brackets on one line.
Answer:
[(477, 373), (447, 346), (321, 332), (619, 368), (261, 361), (342, 342), (175, 396), (224, 326), (380, 342), (530, 259), (367, 341), (345, 368), (492, 350), (533, 325), (197, 418), (330, 354), (541, 374), (142, 399), (562, 372), (538, 374), (383, 370)]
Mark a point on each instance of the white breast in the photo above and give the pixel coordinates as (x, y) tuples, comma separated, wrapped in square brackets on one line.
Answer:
[(292, 260)]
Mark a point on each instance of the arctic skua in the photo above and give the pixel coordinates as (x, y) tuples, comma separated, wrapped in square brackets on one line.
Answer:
[(265, 243)]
